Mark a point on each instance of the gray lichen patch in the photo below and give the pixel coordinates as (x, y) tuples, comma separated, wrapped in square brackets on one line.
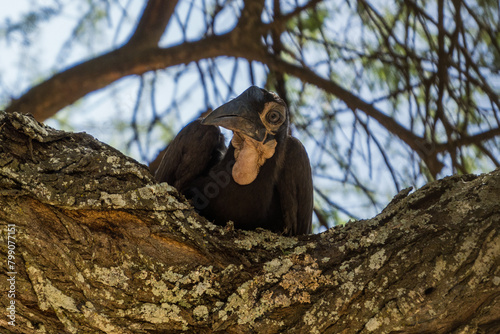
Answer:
[(322, 309), (377, 260), (33, 129), (156, 197), (48, 295), (440, 269), (201, 312), (113, 276), (277, 267), (163, 313), (373, 324), (487, 260), (265, 239)]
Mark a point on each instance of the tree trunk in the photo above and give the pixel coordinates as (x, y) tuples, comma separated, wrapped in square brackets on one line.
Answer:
[(91, 244)]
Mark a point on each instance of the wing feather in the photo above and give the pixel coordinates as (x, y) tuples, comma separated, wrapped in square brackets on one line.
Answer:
[(296, 189), (194, 150)]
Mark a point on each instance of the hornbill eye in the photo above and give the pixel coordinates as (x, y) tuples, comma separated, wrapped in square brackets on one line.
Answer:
[(273, 117)]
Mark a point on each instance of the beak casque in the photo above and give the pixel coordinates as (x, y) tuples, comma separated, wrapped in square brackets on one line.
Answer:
[(237, 115)]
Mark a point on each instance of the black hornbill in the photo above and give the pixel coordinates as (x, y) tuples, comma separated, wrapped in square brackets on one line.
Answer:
[(263, 179)]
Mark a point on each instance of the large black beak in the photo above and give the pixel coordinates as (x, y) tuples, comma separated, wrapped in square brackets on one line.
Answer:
[(238, 115)]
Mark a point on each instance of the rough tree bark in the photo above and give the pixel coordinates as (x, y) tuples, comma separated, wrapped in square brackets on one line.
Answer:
[(100, 248)]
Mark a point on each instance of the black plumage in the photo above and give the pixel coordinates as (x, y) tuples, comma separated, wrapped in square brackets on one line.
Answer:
[(263, 179)]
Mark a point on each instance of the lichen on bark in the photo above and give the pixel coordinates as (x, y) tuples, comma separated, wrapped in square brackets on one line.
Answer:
[(102, 248)]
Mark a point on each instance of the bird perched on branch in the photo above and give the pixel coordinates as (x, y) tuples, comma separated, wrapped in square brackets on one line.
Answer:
[(263, 179)]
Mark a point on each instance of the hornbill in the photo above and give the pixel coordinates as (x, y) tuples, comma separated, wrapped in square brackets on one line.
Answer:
[(263, 179)]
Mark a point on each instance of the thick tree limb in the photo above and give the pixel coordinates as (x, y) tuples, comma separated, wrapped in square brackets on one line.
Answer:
[(66, 87), (101, 248), (139, 55)]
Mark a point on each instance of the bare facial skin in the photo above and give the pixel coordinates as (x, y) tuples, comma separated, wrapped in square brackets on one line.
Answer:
[(274, 109)]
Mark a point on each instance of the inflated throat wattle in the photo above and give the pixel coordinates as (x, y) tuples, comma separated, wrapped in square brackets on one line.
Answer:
[(250, 155)]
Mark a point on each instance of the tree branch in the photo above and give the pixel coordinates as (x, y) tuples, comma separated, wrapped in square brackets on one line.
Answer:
[(66, 87), (279, 21), (251, 14), (152, 24), (422, 147), (469, 140), (100, 248)]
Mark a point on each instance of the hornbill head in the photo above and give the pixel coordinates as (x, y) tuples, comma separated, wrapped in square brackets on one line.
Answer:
[(259, 121)]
